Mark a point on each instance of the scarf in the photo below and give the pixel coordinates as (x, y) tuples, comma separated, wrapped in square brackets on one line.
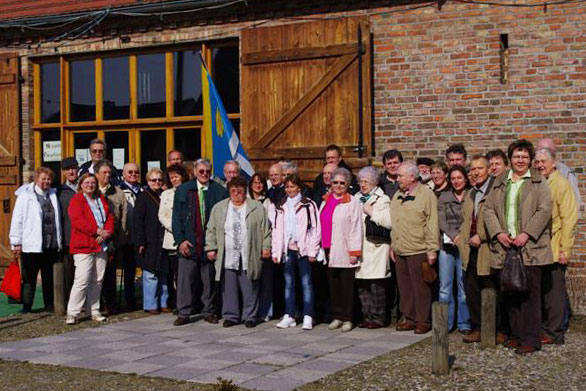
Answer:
[(291, 219)]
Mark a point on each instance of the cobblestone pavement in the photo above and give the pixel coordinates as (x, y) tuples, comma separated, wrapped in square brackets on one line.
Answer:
[(256, 358)]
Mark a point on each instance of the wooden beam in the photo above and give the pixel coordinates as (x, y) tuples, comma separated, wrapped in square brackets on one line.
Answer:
[(331, 74), (8, 79), (297, 54), (99, 91), (8, 180), (37, 94), (8, 161), (296, 153)]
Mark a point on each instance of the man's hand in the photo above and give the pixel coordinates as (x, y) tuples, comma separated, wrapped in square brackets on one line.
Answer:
[(212, 255), (392, 254), (504, 239), (431, 257), (353, 260), (563, 259), (475, 241), (457, 240), (521, 240), (185, 248), (17, 250), (140, 248), (266, 253)]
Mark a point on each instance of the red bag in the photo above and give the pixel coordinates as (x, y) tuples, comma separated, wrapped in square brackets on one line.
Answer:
[(11, 281)]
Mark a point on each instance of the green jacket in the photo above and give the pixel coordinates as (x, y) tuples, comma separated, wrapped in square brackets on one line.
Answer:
[(534, 219), (258, 235)]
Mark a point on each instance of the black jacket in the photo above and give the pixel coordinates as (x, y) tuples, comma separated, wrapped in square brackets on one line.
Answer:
[(148, 231), (64, 194), (390, 188), (115, 179)]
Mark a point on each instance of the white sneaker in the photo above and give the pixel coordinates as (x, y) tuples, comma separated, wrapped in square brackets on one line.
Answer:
[(335, 324), (307, 322), (267, 318), (287, 321), (70, 320), (347, 326), (99, 318)]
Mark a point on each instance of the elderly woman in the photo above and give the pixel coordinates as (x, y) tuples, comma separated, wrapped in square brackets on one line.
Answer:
[(176, 175), (35, 232), (238, 236), (149, 233), (295, 242), (563, 231), (439, 176), (375, 268), (450, 262), (341, 222), (92, 224)]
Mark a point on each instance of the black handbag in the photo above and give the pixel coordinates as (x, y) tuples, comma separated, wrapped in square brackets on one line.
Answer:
[(376, 233), (514, 274)]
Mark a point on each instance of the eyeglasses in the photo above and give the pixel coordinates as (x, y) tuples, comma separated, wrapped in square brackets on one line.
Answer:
[(96, 150), (338, 182), (156, 180), (133, 172), (204, 171)]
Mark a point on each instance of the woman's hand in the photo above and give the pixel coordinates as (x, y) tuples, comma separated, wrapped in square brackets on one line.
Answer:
[(312, 259), (353, 260), (99, 240), (266, 253), (276, 260), (212, 255), (457, 240), (368, 208)]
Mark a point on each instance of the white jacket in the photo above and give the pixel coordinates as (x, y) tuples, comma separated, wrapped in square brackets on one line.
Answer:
[(26, 227)]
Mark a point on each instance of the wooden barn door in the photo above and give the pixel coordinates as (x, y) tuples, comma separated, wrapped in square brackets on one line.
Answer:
[(9, 148), (304, 86)]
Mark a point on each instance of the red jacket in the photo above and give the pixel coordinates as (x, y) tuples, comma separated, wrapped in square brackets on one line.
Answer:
[(84, 226)]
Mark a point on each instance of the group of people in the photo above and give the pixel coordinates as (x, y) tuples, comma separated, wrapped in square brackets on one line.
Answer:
[(352, 250)]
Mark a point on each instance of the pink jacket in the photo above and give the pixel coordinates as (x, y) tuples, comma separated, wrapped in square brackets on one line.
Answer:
[(346, 232), (308, 232)]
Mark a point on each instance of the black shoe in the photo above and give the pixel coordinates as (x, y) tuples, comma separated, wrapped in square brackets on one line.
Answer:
[(180, 321), (228, 323), (250, 324), (26, 309), (212, 318)]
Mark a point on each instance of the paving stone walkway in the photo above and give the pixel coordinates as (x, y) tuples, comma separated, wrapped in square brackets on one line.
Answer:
[(263, 358)]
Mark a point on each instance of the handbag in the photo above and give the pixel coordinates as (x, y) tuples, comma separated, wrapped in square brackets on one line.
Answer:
[(375, 233), (11, 283), (513, 277)]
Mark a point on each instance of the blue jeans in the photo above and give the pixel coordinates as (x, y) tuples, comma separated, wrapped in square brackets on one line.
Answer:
[(154, 291), (292, 262), (450, 264)]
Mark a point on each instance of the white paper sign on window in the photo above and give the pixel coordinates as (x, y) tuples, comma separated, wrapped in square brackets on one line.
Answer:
[(118, 158), (82, 155), (153, 164), (51, 151)]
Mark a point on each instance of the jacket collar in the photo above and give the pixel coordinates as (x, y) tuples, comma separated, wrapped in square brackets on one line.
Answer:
[(345, 198), (501, 180)]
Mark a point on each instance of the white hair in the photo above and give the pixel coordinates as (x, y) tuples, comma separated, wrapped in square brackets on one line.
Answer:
[(411, 167), (289, 166), (369, 174), (547, 152)]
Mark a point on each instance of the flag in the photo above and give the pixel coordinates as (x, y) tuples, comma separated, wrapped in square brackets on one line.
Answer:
[(221, 141)]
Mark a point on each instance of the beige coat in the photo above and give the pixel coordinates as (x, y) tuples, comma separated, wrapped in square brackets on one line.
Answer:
[(118, 205), (534, 220), (375, 257), (484, 254), (165, 217), (564, 215)]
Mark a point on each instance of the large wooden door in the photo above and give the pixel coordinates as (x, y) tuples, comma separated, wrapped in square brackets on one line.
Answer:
[(9, 147), (304, 86)]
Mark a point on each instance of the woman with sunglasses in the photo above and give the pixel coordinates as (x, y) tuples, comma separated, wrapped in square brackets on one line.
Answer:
[(148, 233), (341, 225)]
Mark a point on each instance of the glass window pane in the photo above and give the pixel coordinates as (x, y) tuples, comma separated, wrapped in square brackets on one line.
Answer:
[(83, 91), (116, 88), (187, 79), (188, 141), (226, 74), (50, 93), (151, 85), (152, 151), (117, 151), (53, 164)]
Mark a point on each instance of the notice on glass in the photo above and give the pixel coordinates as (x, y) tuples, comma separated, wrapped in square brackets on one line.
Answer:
[(51, 151), (82, 155), (118, 158), (153, 164)]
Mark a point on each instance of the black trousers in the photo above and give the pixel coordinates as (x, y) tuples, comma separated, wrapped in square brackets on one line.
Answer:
[(341, 282), (129, 266), (554, 301), (69, 269), (109, 284), (31, 264), (171, 260), (321, 292)]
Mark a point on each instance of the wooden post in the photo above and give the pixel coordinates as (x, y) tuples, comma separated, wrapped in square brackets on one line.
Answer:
[(439, 339), (488, 319), (59, 288)]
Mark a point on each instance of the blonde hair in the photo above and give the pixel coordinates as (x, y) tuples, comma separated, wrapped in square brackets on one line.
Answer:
[(43, 170), (154, 170)]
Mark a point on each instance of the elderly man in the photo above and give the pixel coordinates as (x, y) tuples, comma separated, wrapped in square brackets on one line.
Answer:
[(118, 206), (424, 166), (456, 155), (98, 153), (69, 168), (193, 203), (326, 175), (277, 191), (563, 230), (498, 162), (564, 170), (517, 215), (474, 248), (333, 155), (414, 242), (231, 170), (175, 157), (388, 180), (131, 189)]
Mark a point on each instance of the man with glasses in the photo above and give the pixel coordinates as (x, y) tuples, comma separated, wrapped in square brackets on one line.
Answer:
[(193, 203), (131, 188), (98, 154)]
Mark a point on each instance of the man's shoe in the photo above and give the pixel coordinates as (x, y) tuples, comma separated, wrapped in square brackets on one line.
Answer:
[(545, 340), (180, 321), (152, 312), (405, 325), (286, 322), (211, 318), (364, 324), (99, 318), (228, 323), (501, 338), (513, 343), (70, 320), (474, 336), (526, 350), (166, 310), (374, 325), (336, 324), (250, 324), (422, 328)]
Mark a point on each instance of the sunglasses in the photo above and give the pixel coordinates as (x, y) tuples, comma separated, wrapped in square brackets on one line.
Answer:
[(133, 172), (156, 180), (338, 182), (97, 151), (204, 171)]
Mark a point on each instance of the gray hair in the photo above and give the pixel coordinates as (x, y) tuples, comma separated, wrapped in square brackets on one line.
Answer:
[(411, 167), (340, 171), (547, 152), (369, 174), (98, 141), (234, 162), (286, 166), (203, 161), (103, 163)]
